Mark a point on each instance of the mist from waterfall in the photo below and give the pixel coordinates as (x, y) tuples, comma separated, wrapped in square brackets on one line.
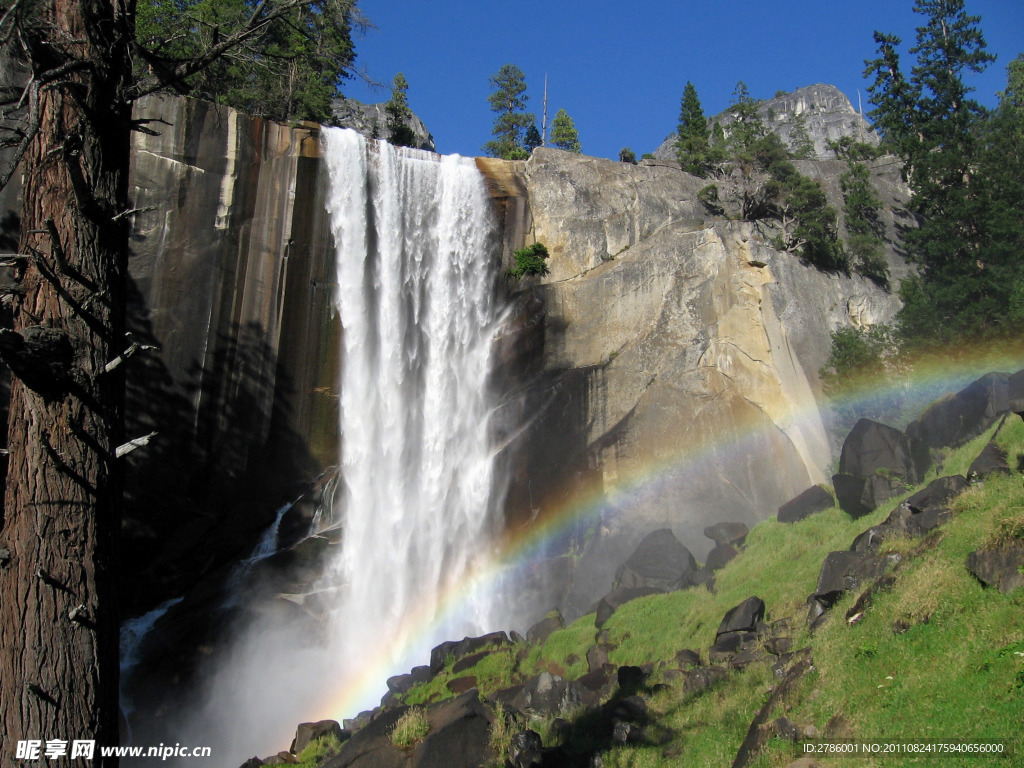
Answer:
[(416, 295), (420, 488)]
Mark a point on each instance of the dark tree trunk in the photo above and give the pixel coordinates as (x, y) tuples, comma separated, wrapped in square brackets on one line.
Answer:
[(58, 604)]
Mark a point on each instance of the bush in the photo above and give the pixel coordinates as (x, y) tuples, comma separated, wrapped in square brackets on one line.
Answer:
[(708, 197), (318, 750), (627, 155), (411, 727), (531, 260)]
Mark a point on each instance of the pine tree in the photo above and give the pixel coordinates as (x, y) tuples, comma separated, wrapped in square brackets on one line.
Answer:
[(747, 126), (692, 142), (865, 231), (400, 133), (508, 102), (564, 134), (532, 140), (963, 245)]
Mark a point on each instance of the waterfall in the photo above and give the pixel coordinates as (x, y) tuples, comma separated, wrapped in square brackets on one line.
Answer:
[(416, 295)]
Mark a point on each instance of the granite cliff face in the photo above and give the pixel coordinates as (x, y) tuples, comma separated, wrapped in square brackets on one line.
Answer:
[(669, 359), (667, 363), (826, 112)]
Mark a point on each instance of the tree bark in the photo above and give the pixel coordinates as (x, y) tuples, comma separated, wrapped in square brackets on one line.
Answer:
[(58, 596)]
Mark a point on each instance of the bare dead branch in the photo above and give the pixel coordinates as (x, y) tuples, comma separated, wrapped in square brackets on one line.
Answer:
[(131, 351), (132, 211), (125, 448)]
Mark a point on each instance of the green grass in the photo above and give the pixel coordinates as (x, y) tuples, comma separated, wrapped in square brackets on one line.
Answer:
[(318, 750), (955, 670), (411, 728)]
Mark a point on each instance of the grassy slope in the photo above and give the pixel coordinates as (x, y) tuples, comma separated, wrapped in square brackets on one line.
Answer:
[(956, 673)]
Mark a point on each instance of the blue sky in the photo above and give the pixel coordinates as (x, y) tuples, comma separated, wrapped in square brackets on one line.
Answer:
[(619, 68)]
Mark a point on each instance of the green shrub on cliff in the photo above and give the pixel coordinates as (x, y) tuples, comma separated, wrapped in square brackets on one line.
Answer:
[(531, 260)]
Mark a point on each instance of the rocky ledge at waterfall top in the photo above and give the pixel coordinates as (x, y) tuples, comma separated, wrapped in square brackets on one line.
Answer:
[(670, 357)]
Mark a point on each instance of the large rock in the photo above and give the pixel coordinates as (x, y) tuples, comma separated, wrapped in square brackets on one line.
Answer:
[(727, 533), (539, 632), (877, 462), (457, 649), (549, 695), (858, 495), (309, 732), (660, 562), (371, 120), (873, 447), (845, 571), (815, 499), (459, 737), (955, 419), (1001, 567), (746, 616), (991, 461)]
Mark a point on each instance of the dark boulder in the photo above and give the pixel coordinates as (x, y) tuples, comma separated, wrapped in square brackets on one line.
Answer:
[(526, 750), (745, 617), (400, 684), (719, 556), (309, 732), (955, 419), (630, 679), (937, 495), (595, 686), (700, 679), (468, 662), (465, 647), (815, 499), (845, 571), (872, 447), (688, 658), (991, 461), (859, 495), (252, 762), (626, 733), (660, 562), (539, 632), (617, 597), (1001, 567), (459, 737), (549, 695), (631, 709), (462, 684), (727, 533), (597, 656)]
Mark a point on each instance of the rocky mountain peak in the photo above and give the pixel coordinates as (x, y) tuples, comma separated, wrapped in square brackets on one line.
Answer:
[(825, 110), (371, 120)]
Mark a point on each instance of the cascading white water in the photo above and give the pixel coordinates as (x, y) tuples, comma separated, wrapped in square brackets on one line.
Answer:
[(415, 243), (420, 486)]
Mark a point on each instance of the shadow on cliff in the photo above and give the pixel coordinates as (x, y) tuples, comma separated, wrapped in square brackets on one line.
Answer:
[(224, 460), (555, 493)]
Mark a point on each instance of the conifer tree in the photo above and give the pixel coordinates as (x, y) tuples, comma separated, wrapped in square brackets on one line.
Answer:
[(564, 134), (963, 245), (400, 133), (508, 102), (532, 140), (692, 142)]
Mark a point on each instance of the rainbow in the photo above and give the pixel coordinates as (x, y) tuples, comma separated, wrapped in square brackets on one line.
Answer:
[(517, 548)]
